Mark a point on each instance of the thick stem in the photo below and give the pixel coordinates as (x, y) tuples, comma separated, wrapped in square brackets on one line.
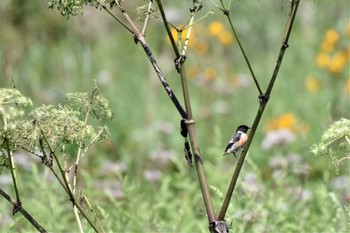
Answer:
[(240, 164), (23, 212), (191, 126), (195, 148)]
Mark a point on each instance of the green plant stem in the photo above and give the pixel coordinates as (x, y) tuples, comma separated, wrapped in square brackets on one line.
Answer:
[(92, 210), (147, 18), (66, 185), (23, 212), (284, 46), (187, 115), (242, 49), (260, 112), (188, 35), (13, 171), (195, 149), (167, 28), (240, 162), (75, 176), (117, 19), (192, 131)]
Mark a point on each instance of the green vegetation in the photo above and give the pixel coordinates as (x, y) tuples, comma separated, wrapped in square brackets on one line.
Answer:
[(139, 181)]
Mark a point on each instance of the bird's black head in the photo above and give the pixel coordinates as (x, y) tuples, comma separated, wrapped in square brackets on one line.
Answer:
[(243, 128)]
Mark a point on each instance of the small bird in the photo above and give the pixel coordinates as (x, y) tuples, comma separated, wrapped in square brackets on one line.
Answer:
[(237, 141)]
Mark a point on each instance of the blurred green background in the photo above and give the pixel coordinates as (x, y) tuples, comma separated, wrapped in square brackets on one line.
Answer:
[(139, 181)]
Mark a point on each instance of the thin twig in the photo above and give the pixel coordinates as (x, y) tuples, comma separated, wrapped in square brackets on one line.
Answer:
[(23, 211), (227, 13), (85, 199), (188, 35), (66, 185), (264, 99), (114, 17), (147, 17)]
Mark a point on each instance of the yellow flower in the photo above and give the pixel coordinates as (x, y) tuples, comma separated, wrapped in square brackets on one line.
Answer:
[(347, 30), (287, 121), (346, 53), (322, 60), (192, 72), (234, 81), (337, 63), (312, 84), (332, 36), (209, 74), (225, 38), (327, 47), (176, 34), (272, 124), (215, 28), (201, 47), (347, 86)]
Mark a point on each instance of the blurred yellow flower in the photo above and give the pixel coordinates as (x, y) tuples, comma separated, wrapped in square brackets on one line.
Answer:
[(346, 53), (347, 30), (201, 47), (192, 72), (174, 33), (347, 86), (327, 47), (234, 81), (183, 34), (209, 74), (337, 63), (225, 38), (322, 60), (285, 121), (215, 28), (332, 37), (312, 84)]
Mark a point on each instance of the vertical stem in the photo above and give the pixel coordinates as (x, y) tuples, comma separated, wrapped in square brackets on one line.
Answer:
[(191, 125), (166, 25), (13, 171), (195, 148)]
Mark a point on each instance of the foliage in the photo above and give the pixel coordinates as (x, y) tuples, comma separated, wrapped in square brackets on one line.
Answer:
[(335, 141), (48, 128), (60, 125)]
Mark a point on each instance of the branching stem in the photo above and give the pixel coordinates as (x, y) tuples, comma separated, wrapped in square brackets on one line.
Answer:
[(261, 109), (66, 186)]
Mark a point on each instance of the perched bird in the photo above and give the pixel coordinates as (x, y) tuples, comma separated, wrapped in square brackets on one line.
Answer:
[(237, 141)]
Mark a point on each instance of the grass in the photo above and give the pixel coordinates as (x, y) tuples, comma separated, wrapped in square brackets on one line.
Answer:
[(47, 56)]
